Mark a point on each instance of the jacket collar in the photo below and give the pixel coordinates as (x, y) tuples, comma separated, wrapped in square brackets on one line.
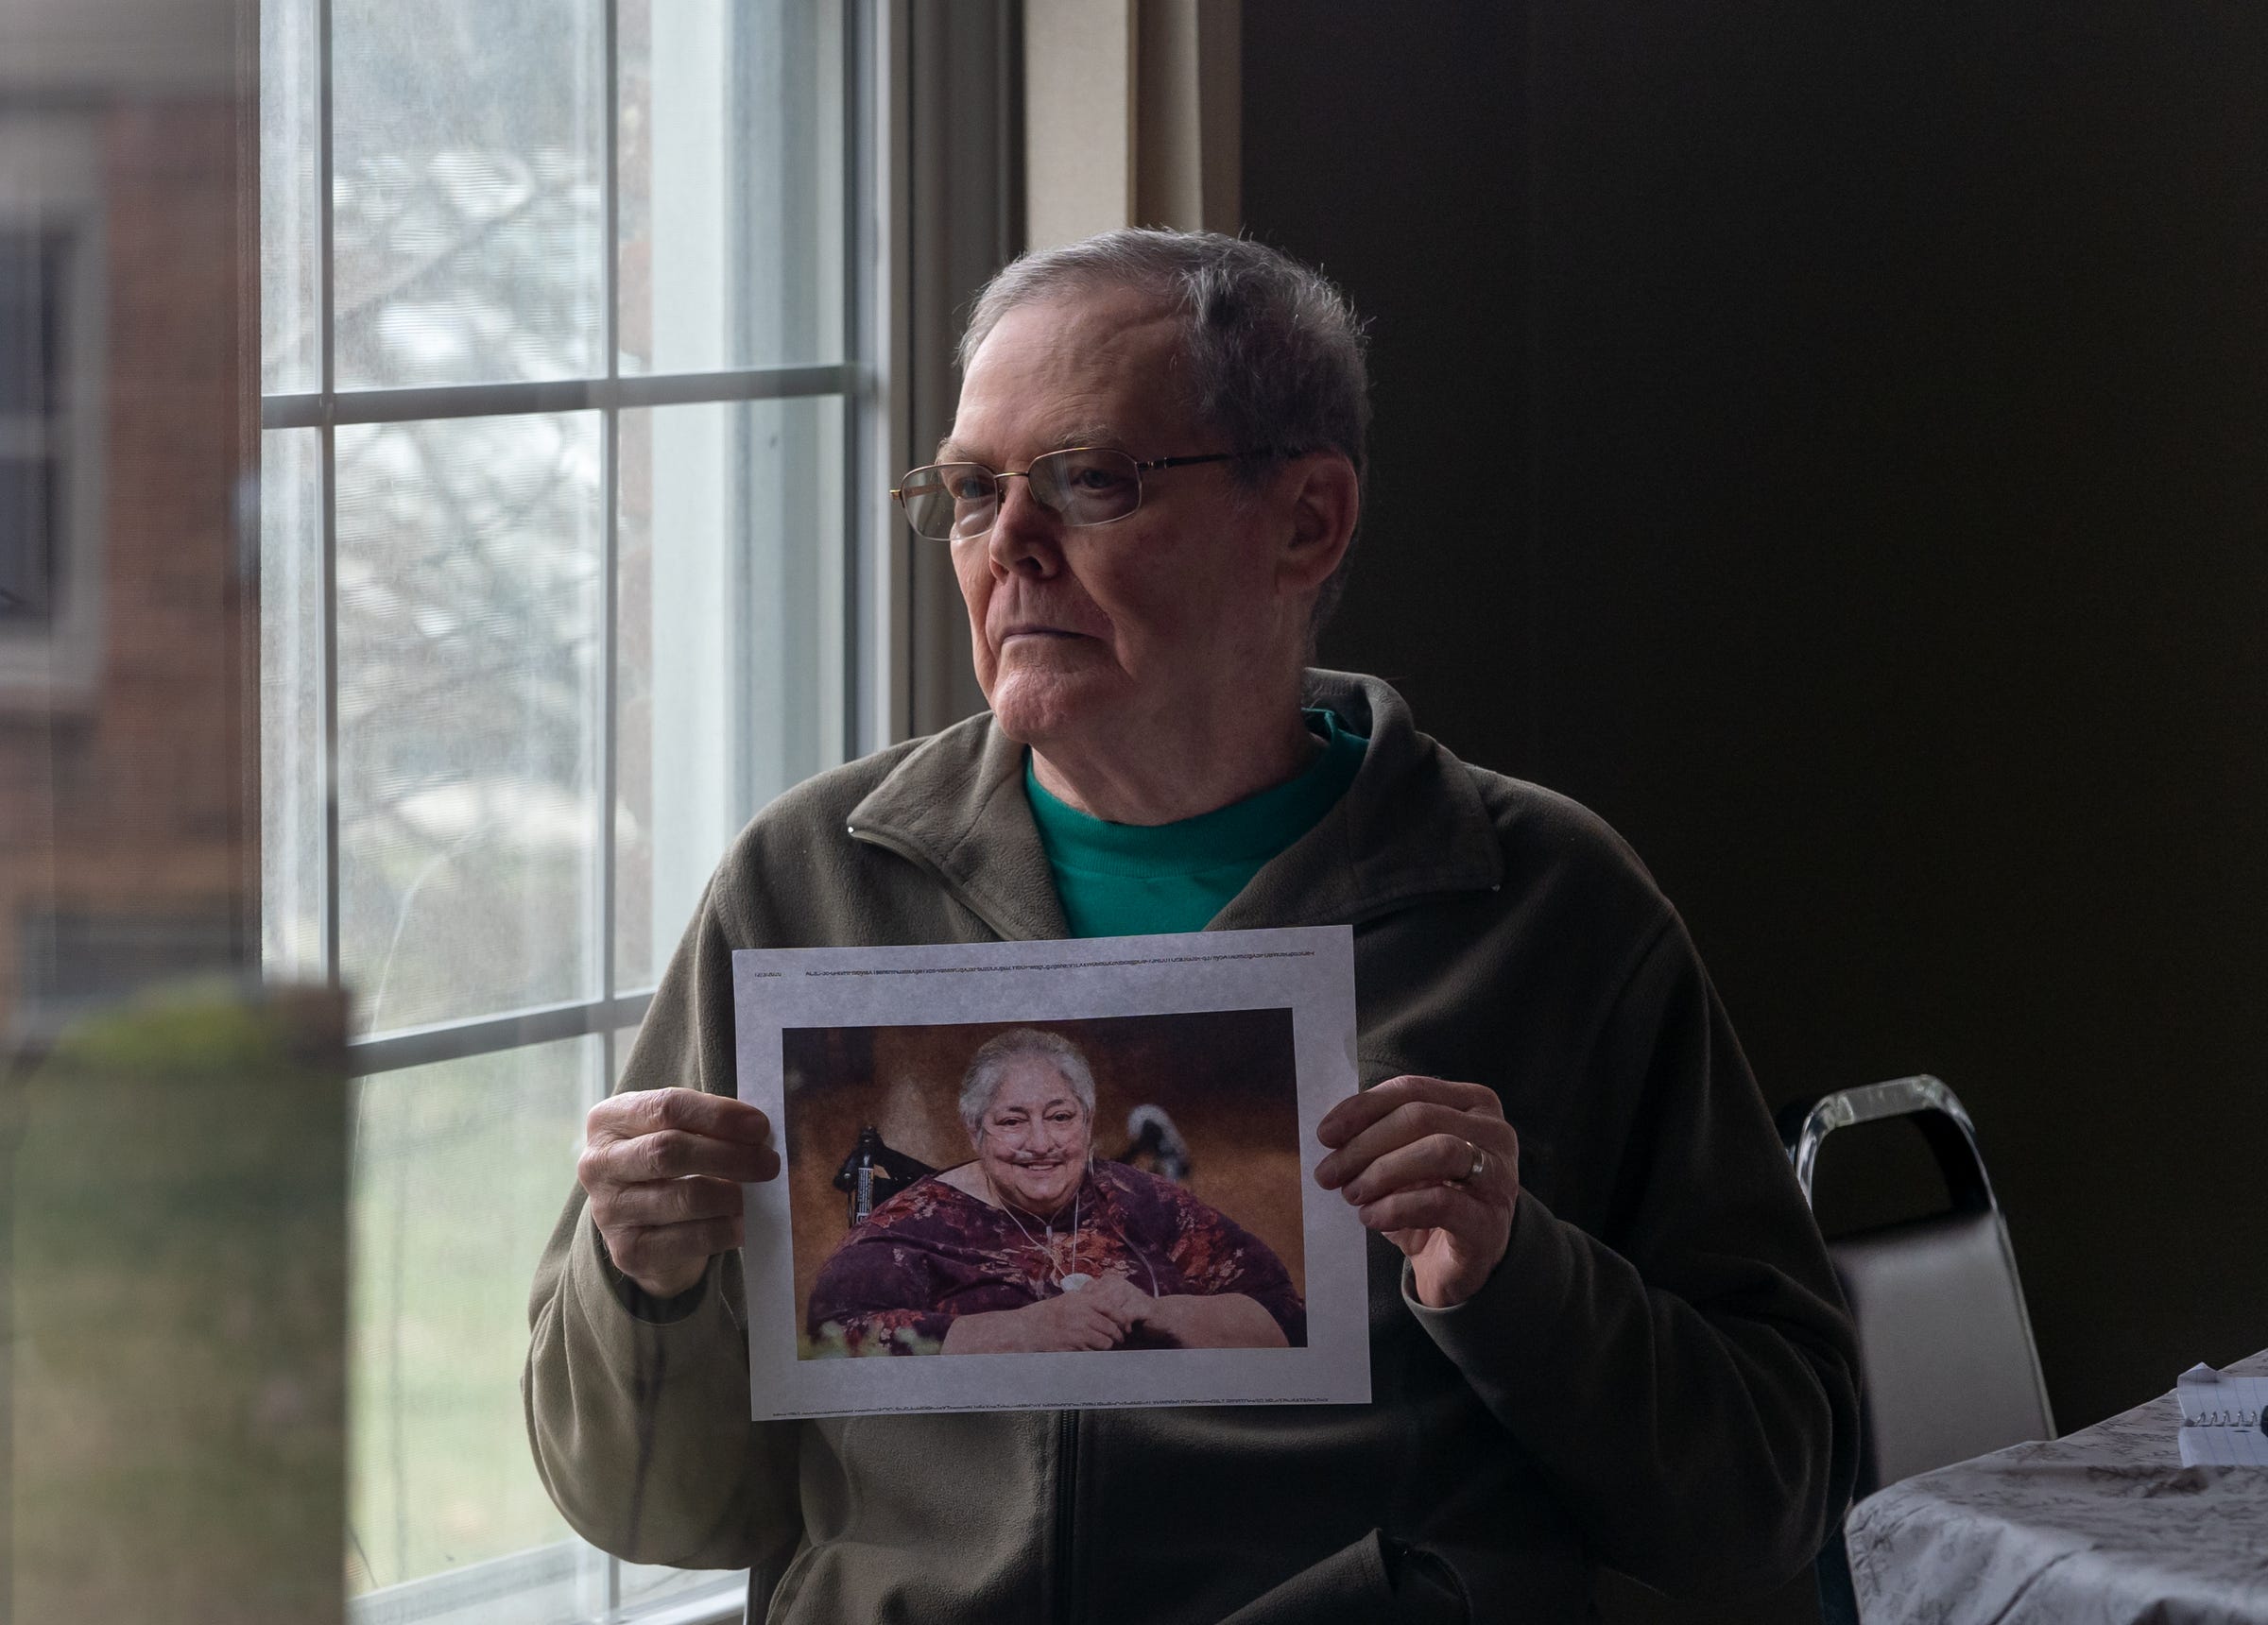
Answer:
[(1411, 825)]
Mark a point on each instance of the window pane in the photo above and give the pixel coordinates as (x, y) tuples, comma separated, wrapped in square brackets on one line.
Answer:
[(729, 686), (28, 542), (468, 211), (291, 704), (290, 229), (643, 1586), (32, 434), (732, 164), (31, 330), (460, 1170), (469, 656)]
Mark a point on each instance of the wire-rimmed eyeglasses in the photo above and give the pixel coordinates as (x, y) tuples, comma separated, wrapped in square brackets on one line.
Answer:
[(1081, 485)]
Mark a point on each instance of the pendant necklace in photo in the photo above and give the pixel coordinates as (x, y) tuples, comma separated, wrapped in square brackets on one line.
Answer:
[(1077, 1278)]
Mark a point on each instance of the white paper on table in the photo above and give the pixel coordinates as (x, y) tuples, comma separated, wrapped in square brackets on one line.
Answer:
[(860, 1002), (2220, 1419), (2223, 1447)]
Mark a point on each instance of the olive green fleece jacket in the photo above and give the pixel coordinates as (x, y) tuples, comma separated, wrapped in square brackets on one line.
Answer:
[(1658, 1376)]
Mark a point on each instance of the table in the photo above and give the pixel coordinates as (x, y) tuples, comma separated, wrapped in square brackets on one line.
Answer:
[(2104, 1527)]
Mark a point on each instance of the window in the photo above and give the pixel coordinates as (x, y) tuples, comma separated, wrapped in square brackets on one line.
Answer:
[(52, 296), (564, 408)]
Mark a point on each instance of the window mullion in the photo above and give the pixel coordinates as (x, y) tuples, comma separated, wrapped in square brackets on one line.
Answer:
[(858, 275), (327, 388), (491, 1034), (609, 608), (609, 660), (533, 397), (609, 505)]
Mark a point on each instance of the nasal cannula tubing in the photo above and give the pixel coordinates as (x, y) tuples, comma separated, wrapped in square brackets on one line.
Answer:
[(1062, 1279)]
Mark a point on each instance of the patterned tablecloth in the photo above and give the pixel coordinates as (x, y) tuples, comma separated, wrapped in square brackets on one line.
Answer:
[(2104, 1527)]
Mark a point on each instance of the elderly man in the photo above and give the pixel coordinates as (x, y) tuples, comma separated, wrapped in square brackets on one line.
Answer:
[(1602, 1328)]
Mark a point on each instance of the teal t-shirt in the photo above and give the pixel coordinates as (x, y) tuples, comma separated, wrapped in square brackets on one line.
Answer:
[(1135, 880)]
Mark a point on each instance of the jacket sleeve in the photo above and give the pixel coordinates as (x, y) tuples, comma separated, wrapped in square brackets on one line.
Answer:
[(1686, 1382), (636, 1407)]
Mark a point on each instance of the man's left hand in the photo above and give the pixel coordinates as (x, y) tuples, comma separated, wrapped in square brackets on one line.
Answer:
[(1403, 1154)]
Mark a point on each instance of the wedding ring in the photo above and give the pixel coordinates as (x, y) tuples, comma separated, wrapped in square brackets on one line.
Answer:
[(1479, 1165)]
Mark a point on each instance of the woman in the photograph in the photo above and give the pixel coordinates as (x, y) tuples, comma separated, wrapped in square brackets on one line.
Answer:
[(1034, 1246)]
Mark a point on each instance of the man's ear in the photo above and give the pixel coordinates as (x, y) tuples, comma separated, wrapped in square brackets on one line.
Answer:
[(1323, 501)]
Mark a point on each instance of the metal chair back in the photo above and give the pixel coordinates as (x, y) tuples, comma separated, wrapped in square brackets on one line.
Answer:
[(1948, 1366)]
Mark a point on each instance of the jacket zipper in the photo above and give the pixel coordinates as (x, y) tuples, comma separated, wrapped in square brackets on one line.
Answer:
[(1067, 1496), (1067, 1422)]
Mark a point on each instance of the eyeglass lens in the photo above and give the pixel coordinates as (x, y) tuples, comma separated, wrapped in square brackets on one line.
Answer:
[(1086, 484)]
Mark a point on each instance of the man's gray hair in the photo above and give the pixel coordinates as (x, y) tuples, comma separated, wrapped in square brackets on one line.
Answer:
[(991, 1063), (1271, 350)]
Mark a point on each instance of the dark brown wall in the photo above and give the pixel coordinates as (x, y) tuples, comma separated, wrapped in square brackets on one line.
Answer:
[(1830, 442)]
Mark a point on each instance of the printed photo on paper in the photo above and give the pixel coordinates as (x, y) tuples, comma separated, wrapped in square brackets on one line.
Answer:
[(1051, 1175)]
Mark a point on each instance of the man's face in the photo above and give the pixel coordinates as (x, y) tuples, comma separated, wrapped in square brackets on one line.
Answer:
[(1087, 635)]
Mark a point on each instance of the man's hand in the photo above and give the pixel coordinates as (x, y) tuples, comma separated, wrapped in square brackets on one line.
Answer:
[(1075, 1323), (664, 1169), (1402, 1154)]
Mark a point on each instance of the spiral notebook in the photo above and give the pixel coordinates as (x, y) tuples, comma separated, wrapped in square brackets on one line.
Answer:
[(2220, 1419)]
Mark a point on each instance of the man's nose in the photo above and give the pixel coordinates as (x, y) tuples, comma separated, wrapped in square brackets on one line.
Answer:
[(1025, 538)]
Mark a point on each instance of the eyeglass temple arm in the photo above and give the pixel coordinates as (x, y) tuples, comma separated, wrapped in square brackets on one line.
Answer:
[(1207, 457)]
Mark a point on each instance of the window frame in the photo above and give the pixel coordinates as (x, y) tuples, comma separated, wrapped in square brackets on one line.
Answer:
[(866, 383)]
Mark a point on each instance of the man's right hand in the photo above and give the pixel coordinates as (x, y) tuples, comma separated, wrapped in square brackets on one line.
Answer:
[(664, 1169)]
